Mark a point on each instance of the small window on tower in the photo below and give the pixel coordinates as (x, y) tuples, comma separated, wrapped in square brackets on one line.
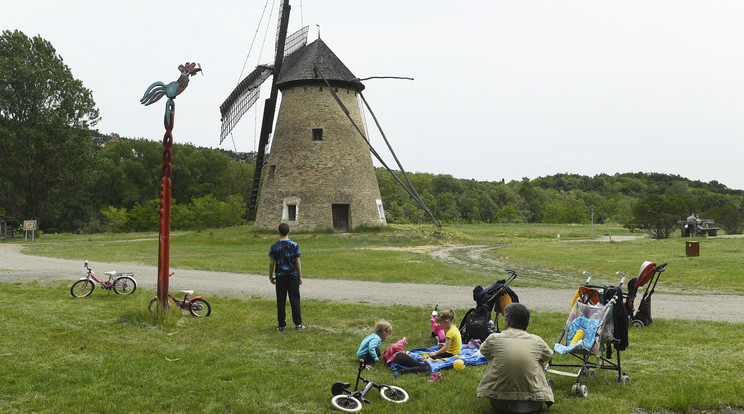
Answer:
[(291, 212), (317, 134)]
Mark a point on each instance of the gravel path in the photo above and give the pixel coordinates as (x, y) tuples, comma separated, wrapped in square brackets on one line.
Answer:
[(18, 267)]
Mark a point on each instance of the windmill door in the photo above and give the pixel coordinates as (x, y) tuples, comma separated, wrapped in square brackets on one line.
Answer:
[(340, 217)]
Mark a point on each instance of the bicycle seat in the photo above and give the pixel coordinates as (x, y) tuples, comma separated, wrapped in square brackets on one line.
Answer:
[(338, 387), (111, 273), (188, 292)]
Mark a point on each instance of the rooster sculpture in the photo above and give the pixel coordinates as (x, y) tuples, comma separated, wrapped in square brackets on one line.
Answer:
[(156, 91)]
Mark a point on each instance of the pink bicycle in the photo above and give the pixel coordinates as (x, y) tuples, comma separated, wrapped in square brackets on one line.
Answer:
[(197, 306), (122, 284)]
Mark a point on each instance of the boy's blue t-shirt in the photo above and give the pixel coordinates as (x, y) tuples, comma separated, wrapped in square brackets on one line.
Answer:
[(369, 345), (284, 253)]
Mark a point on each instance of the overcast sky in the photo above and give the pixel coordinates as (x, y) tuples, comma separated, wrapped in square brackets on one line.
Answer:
[(502, 89)]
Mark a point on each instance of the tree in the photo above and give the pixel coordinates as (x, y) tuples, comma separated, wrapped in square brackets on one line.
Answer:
[(566, 208), (728, 216), (657, 214), (47, 149)]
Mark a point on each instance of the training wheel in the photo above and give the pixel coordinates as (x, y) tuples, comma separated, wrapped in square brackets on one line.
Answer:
[(637, 324)]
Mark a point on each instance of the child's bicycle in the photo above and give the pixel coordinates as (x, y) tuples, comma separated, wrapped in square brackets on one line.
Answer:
[(121, 283), (197, 306), (352, 402)]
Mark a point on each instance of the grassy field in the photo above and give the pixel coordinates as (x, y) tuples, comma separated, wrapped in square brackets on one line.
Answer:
[(401, 254), (106, 353)]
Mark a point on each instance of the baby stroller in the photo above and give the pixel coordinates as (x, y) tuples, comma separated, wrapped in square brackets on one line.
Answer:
[(477, 322), (597, 322), (649, 272)]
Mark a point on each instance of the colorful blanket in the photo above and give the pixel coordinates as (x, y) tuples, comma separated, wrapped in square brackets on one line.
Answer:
[(467, 355)]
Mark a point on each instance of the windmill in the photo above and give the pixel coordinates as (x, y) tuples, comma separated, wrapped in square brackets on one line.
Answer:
[(319, 173)]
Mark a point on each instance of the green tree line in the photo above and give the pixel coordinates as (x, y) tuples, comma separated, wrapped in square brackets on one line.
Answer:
[(563, 198)]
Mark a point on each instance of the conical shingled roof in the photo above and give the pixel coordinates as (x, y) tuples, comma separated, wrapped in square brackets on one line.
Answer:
[(299, 68)]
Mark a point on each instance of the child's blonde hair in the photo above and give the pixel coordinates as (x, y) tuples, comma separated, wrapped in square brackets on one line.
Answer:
[(446, 315), (383, 327)]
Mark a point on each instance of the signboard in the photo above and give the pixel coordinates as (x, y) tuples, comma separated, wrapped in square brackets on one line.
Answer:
[(30, 225)]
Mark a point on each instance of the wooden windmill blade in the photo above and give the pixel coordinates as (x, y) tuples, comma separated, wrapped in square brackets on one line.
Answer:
[(242, 98)]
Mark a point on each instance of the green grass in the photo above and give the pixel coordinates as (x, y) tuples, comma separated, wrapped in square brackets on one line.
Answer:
[(106, 353), (400, 253)]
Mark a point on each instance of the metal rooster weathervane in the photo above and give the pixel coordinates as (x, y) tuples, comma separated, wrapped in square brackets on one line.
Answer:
[(153, 94)]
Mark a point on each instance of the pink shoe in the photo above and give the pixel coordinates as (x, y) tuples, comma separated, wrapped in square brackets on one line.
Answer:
[(435, 377)]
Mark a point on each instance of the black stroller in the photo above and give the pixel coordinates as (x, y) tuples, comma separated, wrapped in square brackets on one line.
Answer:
[(649, 273), (477, 322)]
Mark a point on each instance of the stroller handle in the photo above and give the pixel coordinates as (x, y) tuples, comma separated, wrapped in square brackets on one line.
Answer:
[(589, 278), (621, 273)]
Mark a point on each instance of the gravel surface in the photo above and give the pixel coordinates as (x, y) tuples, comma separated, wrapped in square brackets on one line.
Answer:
[(18, 267)]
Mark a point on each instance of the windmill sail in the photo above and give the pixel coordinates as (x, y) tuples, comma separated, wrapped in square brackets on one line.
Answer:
[(296, 40), (242, 98), (246, 93)]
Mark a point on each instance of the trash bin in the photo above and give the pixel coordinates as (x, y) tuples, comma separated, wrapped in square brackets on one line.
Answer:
[(693, 248)]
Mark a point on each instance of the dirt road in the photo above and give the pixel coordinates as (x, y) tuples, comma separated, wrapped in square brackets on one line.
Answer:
[(18, 267)]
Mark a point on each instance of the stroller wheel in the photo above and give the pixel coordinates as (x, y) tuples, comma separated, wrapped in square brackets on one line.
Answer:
[(589, 373), (579, 390), (637, 323), (622, 379), (551, 383)]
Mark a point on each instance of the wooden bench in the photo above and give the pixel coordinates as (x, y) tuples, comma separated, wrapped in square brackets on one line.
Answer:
[(709, 228)]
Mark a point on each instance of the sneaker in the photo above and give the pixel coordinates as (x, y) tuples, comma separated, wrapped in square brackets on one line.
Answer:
[(279, 328), (435, 377), (299, 327)]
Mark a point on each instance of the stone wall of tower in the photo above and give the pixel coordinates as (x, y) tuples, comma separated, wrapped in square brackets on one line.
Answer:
[(313, 175)]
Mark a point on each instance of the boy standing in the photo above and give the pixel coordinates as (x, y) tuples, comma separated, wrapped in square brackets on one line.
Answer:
[(284, 262)]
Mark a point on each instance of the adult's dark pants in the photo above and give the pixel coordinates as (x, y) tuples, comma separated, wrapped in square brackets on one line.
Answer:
[(288, 286)]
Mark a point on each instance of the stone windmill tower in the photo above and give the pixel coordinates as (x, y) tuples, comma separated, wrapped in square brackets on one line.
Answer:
[(319, 173)]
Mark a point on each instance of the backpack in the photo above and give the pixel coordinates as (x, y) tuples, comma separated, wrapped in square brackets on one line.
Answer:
[(474, 324)]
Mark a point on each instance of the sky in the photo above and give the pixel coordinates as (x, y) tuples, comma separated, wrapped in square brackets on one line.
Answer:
[(501, 89)]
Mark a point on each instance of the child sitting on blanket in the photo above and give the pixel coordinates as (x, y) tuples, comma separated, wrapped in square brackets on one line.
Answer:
[(369, 350), (396, 355), (453, 342)]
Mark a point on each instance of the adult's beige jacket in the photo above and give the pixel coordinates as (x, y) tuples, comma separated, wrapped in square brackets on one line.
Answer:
[(514, 370)]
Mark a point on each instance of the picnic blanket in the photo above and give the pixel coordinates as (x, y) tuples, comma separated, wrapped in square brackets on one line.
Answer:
[(467, 355)]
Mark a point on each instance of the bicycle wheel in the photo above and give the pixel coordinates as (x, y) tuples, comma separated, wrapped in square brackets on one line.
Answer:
[(200, 308), (394, 394), (125, 285), (82, 288), (153, 305), (346, 403)]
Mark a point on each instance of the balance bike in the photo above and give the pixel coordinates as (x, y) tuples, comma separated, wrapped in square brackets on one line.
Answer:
[(350, 401)]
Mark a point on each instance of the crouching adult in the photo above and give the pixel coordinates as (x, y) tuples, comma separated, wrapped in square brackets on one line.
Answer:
[(514, 380)]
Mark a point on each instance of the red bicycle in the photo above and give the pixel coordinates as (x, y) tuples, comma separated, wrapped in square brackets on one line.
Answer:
[(197, 306), (121, 283)]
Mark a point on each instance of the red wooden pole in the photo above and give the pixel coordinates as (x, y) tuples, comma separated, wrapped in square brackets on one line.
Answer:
[(165, 207)]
